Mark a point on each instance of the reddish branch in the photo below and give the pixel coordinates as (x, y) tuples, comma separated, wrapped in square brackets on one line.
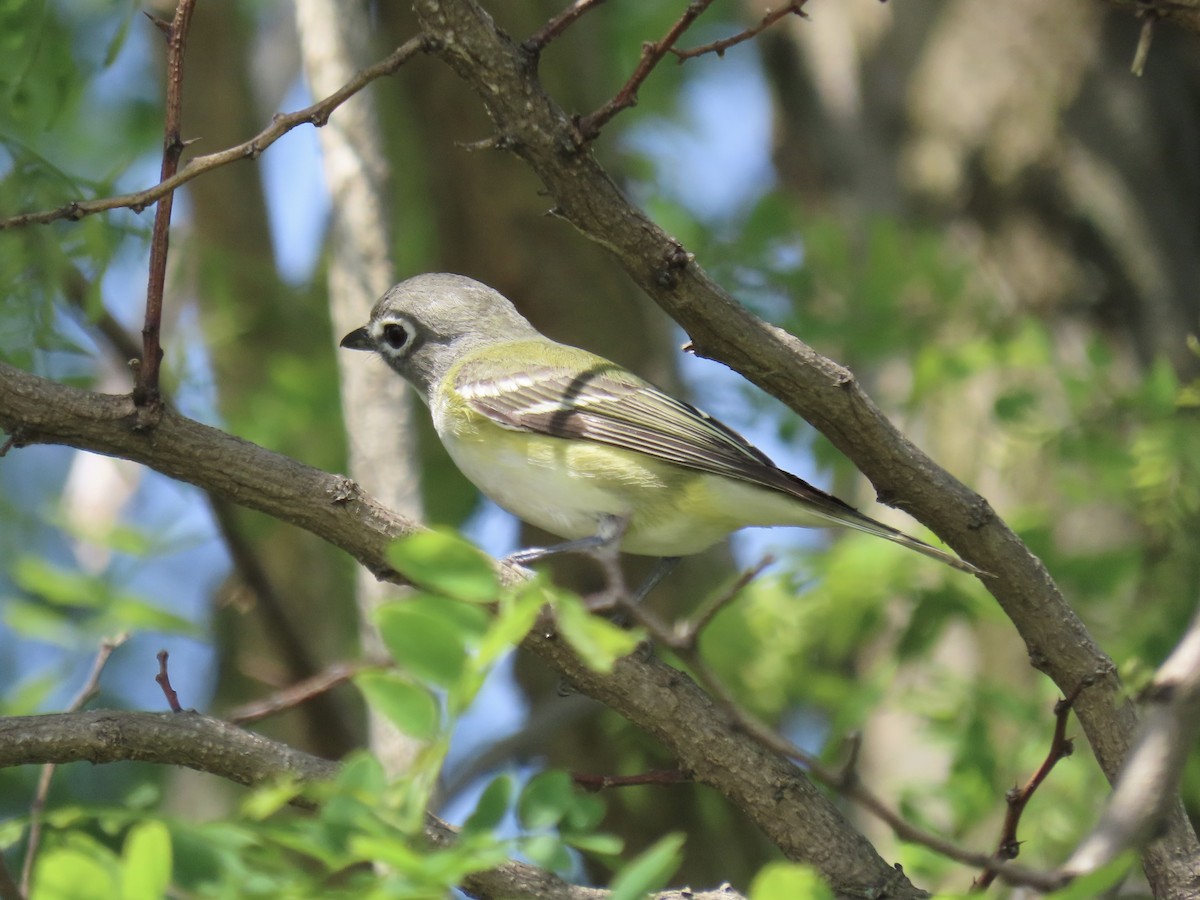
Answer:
[(145, 390), (164, 682), (595, 783), (1061, 746), (301, 692), (556, 26), (772, 16), (652, 54)]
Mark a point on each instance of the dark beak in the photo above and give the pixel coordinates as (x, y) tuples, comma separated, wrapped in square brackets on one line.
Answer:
[(358, 339)]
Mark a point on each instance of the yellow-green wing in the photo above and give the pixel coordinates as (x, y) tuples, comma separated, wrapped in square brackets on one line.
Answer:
[(576, 395), (585, 397)]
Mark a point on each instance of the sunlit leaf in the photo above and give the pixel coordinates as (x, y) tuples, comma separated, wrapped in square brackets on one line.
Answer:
[(598, 641), (545, 800), (410, 707), (789, 881), (444, 563), (650, 870), (146, 862), (425, 644), (492, 806)]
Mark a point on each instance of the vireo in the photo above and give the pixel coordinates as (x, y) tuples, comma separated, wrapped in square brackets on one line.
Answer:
[(580, 446)]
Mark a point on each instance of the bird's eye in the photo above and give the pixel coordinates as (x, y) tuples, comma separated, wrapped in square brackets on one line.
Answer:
[(395, 335)]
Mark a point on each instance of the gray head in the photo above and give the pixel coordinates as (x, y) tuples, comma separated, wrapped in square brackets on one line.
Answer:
[(422, 326)]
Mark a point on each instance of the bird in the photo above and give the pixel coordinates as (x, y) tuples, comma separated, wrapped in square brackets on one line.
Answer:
[(579, 446)]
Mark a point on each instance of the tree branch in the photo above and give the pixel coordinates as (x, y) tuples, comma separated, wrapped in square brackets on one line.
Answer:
[(145, 392), (317, 115), (37, 411), (218, 748)]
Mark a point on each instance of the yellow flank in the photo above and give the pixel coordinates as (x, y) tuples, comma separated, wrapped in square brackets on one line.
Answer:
[(566, 485)]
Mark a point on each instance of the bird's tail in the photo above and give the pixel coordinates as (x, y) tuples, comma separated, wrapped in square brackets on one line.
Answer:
[(854, 519)]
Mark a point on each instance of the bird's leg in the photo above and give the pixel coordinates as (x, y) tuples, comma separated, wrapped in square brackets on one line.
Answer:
[(608, 534), (662, 568)]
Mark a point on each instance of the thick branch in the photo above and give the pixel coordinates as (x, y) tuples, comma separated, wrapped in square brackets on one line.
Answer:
[(172, 739), (218, 748), (38, 411)]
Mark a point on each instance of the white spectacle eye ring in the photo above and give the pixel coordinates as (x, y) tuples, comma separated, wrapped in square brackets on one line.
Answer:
[(394, 336)]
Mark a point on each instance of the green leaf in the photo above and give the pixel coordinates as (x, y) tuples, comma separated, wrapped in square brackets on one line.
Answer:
[(131, 613), (600, 844), (518, 611), (599, 642), (469, 619), (361, 773), (54, 585), (547, 851), (76, 874), (789, 881), (266, 800), (38, 622), (444, 563), (545, 800), (650, 870), (585, 814), (492, 806), (422, 642), (146, 862), (409, 706)]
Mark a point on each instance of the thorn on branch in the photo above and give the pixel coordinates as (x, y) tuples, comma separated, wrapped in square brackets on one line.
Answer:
[(163, 26)]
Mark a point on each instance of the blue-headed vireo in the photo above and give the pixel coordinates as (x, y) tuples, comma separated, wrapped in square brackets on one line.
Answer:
[(580, 446)]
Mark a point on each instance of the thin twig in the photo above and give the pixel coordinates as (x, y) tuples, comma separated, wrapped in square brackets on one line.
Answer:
[(719, 47), (91, 687), (689, 631), (1018, 798), (317, 114), (145, 389), (652, 54), (301, 692), (596, 783), (557, 25), (1149, 17), (164, 681)]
